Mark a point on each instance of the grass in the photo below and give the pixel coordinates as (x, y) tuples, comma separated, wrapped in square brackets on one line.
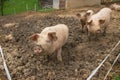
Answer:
[(46, 10), (19, 6), (117, 77)]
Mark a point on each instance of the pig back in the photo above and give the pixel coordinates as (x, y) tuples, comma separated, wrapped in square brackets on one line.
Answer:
[(62, 33), (103, 14), (106, 15)]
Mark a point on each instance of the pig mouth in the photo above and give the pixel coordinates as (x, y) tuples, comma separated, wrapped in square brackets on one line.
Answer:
[(98, 31), (38, 49)]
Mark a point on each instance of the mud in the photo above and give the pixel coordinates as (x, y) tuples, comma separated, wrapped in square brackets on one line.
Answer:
[(80, 56)]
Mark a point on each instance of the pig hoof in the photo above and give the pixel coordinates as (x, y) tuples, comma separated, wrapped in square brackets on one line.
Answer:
[(104, 35), (46, 58), (96, 39), (60, 59), (83, 31), (89, 39)]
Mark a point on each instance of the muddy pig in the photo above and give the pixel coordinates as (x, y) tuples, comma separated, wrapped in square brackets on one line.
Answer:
[(84, 17), (51, 40), (115, 7), (99, 21)]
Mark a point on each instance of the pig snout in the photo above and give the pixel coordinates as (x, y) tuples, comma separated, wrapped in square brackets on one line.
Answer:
[(37, 49), (98, 31)]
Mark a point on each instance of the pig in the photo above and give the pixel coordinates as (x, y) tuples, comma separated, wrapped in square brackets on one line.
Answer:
[(50, 40), (89, 13), (84, 17), (99, 21), (115, 7)]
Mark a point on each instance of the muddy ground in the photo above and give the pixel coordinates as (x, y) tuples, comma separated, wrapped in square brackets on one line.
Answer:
[(80, 56)]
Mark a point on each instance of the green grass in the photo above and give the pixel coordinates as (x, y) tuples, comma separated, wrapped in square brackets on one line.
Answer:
[(46, 10), (19, 6), (117, 77)]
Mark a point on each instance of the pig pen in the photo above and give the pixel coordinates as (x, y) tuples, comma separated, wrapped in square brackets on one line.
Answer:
[(80, 56)]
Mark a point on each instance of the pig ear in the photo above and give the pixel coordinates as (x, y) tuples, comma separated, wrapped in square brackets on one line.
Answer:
[(90, 22), (34, 37), (52, 36), (78, 15), (87, 14), (101, 21)]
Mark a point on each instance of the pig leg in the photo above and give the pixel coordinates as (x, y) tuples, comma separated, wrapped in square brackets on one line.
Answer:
[(59, 56), (104, 31), (86, 30), (89, 36), (82, 25), (48, 57), (82, 28), (96, 36)]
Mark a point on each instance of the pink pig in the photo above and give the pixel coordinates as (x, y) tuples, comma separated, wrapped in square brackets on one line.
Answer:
[(99, 21), (115, 7), (51, 40), (89, 13), (84, 17)]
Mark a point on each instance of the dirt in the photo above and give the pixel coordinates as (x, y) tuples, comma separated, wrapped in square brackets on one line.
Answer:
[(80, 56)]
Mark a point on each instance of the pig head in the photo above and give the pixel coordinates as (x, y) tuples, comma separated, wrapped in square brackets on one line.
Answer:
[(98, 22), (84, 18), (43, 42), (115, 7), (94, 26)]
